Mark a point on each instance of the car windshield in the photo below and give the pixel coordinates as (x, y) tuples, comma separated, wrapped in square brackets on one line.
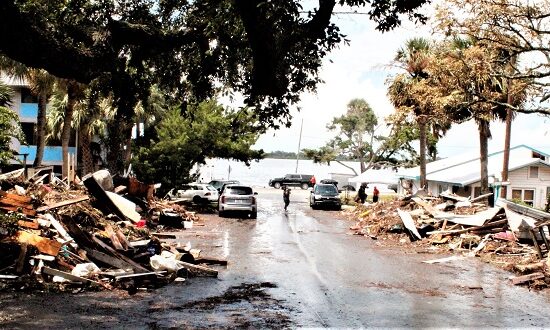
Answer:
[(238, 190), (329, 189)]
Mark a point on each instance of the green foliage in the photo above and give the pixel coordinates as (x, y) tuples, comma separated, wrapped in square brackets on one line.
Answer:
[(9, 125), (8, 223), (268, 51), (183, 140), (281, 155)]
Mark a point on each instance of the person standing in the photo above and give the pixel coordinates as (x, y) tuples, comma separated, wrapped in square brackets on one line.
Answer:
[(286, 196), (362, 194), (375, 194)]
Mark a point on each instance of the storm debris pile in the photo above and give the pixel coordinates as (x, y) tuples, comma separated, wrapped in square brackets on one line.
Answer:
[(511, 235), (53, 236)]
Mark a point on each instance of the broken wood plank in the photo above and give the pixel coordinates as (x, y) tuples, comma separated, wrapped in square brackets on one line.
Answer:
[(25, 211), (538, 266), (108, 260), (164, 235), (8, 277), (429, 208), (478, 198), (197, 268), (114, 253), (113, 237), (63, 203), (81, 238), (28, 224), (211, 261), (130, 276), (122, 239), (526, 278), (440, 260), (477, 228), (15, 197), (44, 245), (61, 230), (408, 222), (67, 276)]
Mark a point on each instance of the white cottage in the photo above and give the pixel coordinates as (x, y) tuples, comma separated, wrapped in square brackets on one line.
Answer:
[(528, 178)]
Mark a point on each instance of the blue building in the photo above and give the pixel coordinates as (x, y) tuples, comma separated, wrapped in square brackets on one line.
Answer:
[(25, 104)]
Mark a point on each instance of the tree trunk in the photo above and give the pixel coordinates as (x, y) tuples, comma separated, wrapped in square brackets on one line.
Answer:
[(507, 138), (67, 125), (40, 129), (118, 131), (422, 136), (484, 135), (85, 142)]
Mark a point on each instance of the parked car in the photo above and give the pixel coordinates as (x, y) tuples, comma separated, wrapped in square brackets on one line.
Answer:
[(303, 181), (219, 184), (238, 198), (325, 195), (198, 193)]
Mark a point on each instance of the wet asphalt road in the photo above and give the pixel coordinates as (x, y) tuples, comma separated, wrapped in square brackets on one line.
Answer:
[(313, 273)]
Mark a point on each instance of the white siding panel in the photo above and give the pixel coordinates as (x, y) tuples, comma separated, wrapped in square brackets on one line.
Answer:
[(519, 179)]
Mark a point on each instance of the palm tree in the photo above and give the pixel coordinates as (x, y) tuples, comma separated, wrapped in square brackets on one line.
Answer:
[(413, 58), (41, 84), (469, 70)]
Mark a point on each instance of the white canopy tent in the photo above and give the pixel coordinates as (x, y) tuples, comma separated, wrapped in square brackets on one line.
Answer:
[(379, 178)]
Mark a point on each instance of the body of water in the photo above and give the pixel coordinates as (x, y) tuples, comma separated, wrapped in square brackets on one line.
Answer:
[(259, 173)]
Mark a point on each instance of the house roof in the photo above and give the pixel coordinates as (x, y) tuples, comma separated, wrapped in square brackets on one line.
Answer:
[(465, 169), (12, 81)]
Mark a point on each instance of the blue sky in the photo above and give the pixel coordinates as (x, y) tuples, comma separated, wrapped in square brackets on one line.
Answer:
[(359, 71)]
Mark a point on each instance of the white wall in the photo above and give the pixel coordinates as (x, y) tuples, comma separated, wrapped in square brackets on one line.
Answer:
[(519, 179)]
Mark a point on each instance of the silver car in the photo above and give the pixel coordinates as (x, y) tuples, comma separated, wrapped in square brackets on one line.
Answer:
[(238, 198)]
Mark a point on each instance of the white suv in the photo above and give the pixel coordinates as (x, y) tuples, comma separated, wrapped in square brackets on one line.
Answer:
[(198, 193), (238, 198)]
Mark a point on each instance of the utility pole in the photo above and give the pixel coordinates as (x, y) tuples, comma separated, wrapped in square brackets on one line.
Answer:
[(299, 143)]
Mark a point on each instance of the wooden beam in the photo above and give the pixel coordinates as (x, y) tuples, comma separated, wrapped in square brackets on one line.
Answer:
[(44, 245), (108, 260), (28, 224), (526, 278), (67, 276), (197, 268), (113, 237), (114, 253), (63, 203)]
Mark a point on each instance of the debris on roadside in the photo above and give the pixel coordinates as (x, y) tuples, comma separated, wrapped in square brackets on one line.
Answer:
[(53, 236), (513, 236)]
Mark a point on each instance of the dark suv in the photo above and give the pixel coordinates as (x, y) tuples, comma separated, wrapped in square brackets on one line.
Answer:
[(325, 195), (303, 181)]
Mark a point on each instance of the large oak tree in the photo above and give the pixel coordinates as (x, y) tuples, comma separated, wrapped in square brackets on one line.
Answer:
[(268, 51)]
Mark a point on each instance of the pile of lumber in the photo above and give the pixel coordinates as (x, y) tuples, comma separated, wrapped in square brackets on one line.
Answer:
[(460, 224), (90, 235)]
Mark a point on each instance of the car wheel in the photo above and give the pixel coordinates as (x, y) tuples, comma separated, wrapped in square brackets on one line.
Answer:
[(197, 200), (305, 186), (221, 214), (276, 185), (313, 206), (254, 215)]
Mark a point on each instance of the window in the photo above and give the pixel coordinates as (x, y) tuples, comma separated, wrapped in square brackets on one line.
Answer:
[(29, 131), (27, 96), (533, 172), (525, 195)]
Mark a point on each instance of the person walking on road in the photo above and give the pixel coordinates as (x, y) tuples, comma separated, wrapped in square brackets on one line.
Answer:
[(286, 196), (375, 194)]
